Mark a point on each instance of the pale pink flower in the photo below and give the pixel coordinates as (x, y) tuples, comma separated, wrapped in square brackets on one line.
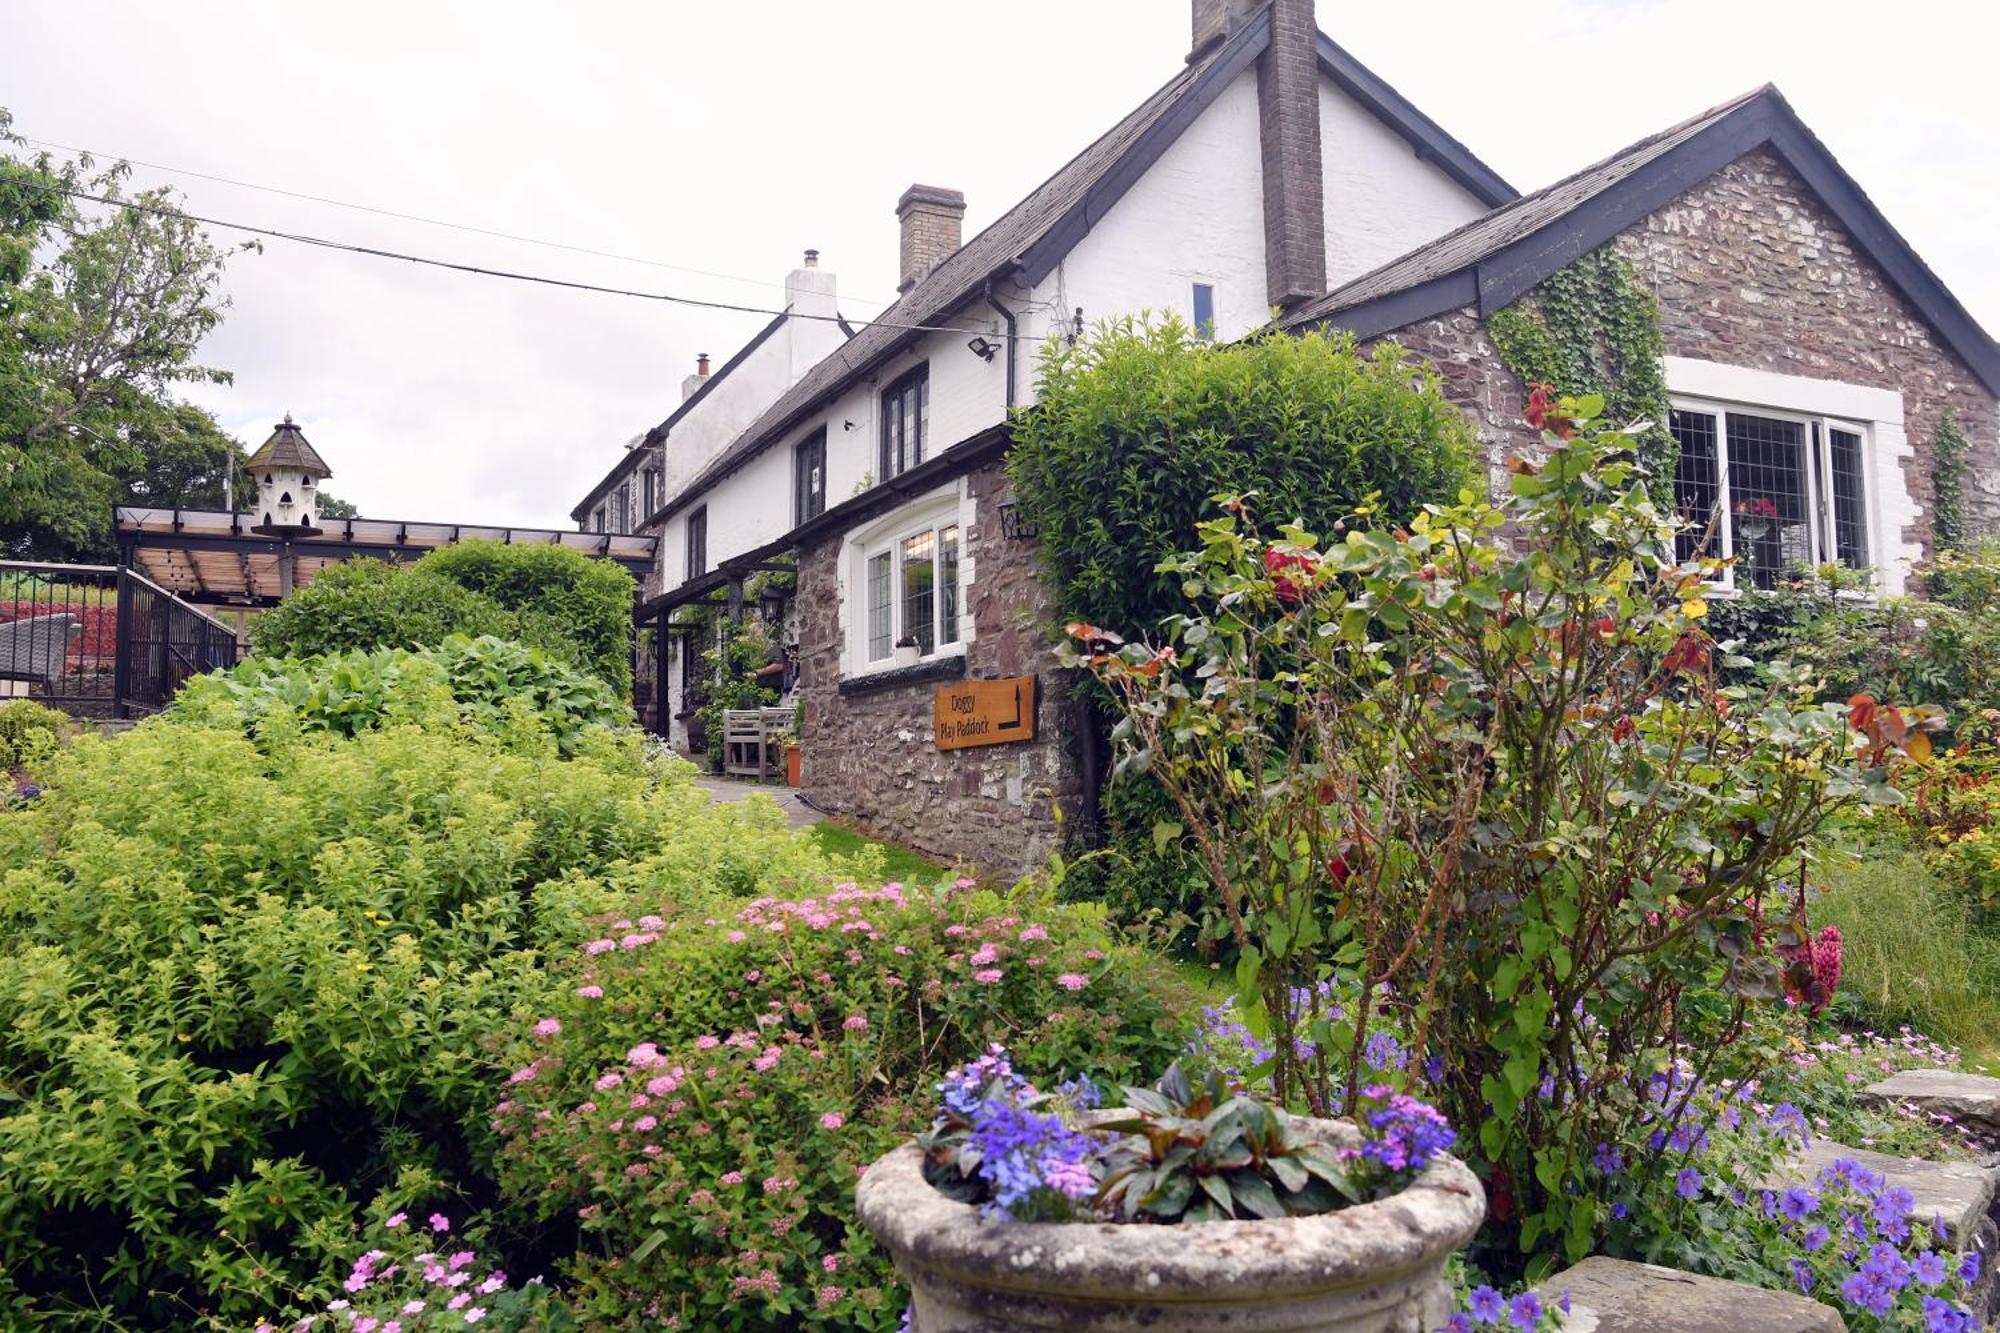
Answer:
[(1072, 981), (590, 992), (548, 1027), (987, 976), (855, 1023), (832, 1120), (731, 1178)]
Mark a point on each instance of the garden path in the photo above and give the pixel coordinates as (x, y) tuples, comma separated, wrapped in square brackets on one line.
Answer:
[(797, 813)]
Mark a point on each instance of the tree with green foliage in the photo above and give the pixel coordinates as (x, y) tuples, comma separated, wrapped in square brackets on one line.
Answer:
[(102, 313), (1138, 429)]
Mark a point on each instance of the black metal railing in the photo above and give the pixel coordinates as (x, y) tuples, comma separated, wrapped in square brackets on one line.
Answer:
[(59, 635), (161, 642), (100, 641)]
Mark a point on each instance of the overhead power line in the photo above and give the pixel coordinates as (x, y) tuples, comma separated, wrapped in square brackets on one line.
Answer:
[(375, 252), (412, 217)]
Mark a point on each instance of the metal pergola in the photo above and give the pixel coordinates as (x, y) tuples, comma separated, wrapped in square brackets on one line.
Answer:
[(212, 557)]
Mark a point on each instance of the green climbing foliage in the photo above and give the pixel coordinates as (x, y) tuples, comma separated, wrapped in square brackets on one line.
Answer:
[(1593, 327), (1948, 450)]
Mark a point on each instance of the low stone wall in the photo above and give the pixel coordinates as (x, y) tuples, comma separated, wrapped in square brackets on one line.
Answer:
[(870, 757)]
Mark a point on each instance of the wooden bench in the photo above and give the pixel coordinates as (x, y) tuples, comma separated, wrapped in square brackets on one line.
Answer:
[(746, 742), (35, 649)]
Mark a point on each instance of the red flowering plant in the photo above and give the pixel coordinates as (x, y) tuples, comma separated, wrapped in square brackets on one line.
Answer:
[(1483, 775), (700, 1106)]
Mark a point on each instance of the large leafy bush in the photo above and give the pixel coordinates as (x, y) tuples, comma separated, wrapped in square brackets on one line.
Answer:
[(703, 1097), (1484, 766), (249, 987), (29, 733), (486, 682), (1137, 430), (588, 600), (576, 608)]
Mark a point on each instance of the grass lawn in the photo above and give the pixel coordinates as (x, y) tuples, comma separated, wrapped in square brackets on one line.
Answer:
[(898, 863)]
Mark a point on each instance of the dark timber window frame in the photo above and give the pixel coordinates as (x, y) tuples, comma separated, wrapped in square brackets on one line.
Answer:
[(697, 543), (809, 477), (906, 412)]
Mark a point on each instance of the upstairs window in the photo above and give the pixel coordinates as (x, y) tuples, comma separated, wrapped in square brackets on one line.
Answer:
[(809, 477), (906, 411), (697, 542), (623, 507), (1775, 492), (649, 492), (1204, 311), (597, 520)]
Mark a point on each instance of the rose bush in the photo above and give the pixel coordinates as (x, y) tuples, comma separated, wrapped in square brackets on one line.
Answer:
[(1482, 769), (700, 1101)]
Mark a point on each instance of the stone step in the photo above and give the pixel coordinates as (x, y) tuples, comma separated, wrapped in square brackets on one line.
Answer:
[(1966, 1195), (1619, 1296), (1972, 1100)]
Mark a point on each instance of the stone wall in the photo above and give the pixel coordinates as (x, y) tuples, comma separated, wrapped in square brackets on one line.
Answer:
[(1751, 270), (870, 757)]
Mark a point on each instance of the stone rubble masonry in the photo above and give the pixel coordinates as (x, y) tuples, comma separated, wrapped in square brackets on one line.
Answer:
[(871, 759), (1751, 270)]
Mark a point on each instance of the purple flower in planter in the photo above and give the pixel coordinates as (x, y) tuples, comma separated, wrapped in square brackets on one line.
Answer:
[(1525, 1311), (1486, 1304), (1687, 1183), (1408, 1134), (1797, 1204)]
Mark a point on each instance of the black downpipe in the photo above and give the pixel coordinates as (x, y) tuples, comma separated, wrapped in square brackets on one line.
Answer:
[(1007, 317)]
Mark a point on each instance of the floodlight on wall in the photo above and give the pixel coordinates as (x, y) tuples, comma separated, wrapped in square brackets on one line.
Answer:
[(983, 349)]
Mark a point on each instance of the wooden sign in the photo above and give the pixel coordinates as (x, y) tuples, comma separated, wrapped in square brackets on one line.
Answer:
[(985, 712)]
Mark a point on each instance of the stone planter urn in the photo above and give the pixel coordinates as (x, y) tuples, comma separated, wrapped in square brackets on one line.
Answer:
[(1374, 1268)]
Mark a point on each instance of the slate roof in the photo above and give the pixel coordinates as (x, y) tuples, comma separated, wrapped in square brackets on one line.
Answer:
[(287, 447), (1495, 259)]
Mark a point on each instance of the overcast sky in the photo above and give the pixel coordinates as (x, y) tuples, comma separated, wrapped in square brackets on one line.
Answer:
[(729, 137)]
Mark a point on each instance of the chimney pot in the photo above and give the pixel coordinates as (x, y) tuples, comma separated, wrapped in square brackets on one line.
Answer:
[(701, 364), (933, 227), (812, 259)]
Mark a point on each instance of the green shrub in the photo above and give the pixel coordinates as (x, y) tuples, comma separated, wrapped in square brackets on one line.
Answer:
[(487, 683), (363, 604), (576, 608), (29, 733), (702, 1100), (554, 590), (1137, 430), (249, 988)]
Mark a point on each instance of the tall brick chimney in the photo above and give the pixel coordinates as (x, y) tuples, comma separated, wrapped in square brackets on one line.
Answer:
[(1294, 173), (933, 227)]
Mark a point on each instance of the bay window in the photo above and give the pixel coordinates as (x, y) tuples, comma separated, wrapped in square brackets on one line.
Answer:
[(1774, 491)]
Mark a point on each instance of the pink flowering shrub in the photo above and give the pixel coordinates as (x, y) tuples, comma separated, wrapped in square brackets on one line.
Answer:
[(420, 1278), (712, 1094)]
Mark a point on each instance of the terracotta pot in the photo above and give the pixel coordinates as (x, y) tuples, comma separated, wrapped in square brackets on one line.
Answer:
[(1376, 1268), (793, 762)]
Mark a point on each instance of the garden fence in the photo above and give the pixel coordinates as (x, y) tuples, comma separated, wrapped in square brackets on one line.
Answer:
[(101, 641)]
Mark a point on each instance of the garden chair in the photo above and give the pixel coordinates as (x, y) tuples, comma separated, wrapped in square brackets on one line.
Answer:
[(35, 649)]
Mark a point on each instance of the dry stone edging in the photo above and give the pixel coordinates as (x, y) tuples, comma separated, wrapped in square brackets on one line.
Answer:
[(1620, 1296), (1965, 1196), (1971, 1100)]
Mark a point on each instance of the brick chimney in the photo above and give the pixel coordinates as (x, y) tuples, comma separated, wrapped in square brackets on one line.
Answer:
[(1294, 172), (933, 226), (696, 380)]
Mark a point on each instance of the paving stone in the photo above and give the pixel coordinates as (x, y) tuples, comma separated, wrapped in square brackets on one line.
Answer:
[(1618, 1296), (1973, 1100), (1962, 1193)]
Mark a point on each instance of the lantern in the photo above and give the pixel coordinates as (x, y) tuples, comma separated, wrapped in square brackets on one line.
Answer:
[(287, 472)]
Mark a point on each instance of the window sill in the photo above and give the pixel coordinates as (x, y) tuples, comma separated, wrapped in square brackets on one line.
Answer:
[(949, 667)]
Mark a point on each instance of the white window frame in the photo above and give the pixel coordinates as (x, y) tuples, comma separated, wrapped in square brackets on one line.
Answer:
[(932, 513), (1889, 508), (1816, 434)]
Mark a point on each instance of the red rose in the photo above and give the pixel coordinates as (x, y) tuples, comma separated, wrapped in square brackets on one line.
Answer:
[(1276, 562)]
